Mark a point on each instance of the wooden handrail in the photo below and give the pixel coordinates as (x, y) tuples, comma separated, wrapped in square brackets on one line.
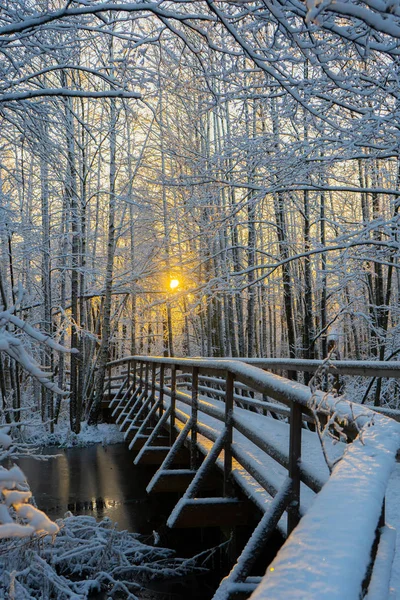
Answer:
[(378, 368)]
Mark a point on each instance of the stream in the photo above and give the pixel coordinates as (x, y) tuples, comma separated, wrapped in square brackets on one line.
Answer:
[(102, 481)]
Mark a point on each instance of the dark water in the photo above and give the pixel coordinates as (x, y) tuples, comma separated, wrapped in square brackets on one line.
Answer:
[(103, 482), (100, 481)]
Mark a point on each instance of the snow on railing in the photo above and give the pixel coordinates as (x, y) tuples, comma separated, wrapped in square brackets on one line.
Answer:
[(328, 554)]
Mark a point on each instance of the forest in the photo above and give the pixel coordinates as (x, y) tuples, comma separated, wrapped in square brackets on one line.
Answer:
[(195, 179), (184, 182)]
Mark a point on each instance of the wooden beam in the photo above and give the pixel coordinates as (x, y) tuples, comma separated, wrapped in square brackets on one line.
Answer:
[(173, 480), (155, 455), (211, 512)]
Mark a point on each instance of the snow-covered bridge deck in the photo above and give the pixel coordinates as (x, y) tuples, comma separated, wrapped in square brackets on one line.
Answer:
[(252, 425)]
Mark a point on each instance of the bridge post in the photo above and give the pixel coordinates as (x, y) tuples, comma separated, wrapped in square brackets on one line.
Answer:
[(128, 374), (140, 383), (195, 402), (153, 382), (161, 394), (134, 371), (173, 405), (294, 465), (229, 391), (146, 380)]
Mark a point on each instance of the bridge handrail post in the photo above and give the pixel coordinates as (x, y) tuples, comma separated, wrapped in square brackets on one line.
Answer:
[(161, 394), (146, 379), (153, 382), (294, 465), (229, 398), (173, 405), (134, 373), (195, 406), (128, 374), (141, 376)]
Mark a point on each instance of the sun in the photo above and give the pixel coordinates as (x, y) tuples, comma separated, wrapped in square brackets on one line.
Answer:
[(173, 284)]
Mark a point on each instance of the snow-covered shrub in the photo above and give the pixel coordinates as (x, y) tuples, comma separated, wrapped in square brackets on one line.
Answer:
[(18, 518), (72, 557), (84, 557)]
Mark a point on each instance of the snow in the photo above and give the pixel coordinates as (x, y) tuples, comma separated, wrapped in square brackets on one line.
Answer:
[(5, 516), (15, 530), (393, 518), (327, 554), (10, 478), (380, 579), (5, 439), (36, 518), (15, 497), (103, 433)]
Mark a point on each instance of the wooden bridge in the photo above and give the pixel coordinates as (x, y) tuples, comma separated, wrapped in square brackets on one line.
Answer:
[(242, 445)]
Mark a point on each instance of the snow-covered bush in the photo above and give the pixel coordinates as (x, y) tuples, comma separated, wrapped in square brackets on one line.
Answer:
[(72, 557), (18, 518), (85, 557)]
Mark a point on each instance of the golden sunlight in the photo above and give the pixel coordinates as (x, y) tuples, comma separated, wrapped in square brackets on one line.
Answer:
[(174, 283)]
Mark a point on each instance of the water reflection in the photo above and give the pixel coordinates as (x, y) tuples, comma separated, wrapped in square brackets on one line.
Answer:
[(103, 482), (98, 481)]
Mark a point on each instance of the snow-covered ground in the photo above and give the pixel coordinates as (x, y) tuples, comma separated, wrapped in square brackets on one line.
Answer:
[(393, 518), (103, 433)]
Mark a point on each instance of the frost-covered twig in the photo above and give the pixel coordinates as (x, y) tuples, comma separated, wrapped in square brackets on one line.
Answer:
[(319, 407), (330, 421)]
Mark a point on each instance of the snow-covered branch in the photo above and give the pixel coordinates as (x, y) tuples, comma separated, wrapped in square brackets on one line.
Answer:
[(61, 92)]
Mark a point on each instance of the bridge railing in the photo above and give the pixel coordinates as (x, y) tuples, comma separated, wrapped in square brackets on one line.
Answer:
[(353, 497)]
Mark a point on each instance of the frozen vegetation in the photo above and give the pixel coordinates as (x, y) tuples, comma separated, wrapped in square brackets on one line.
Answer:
[(74, 556), (103, 433), (86, 556)]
